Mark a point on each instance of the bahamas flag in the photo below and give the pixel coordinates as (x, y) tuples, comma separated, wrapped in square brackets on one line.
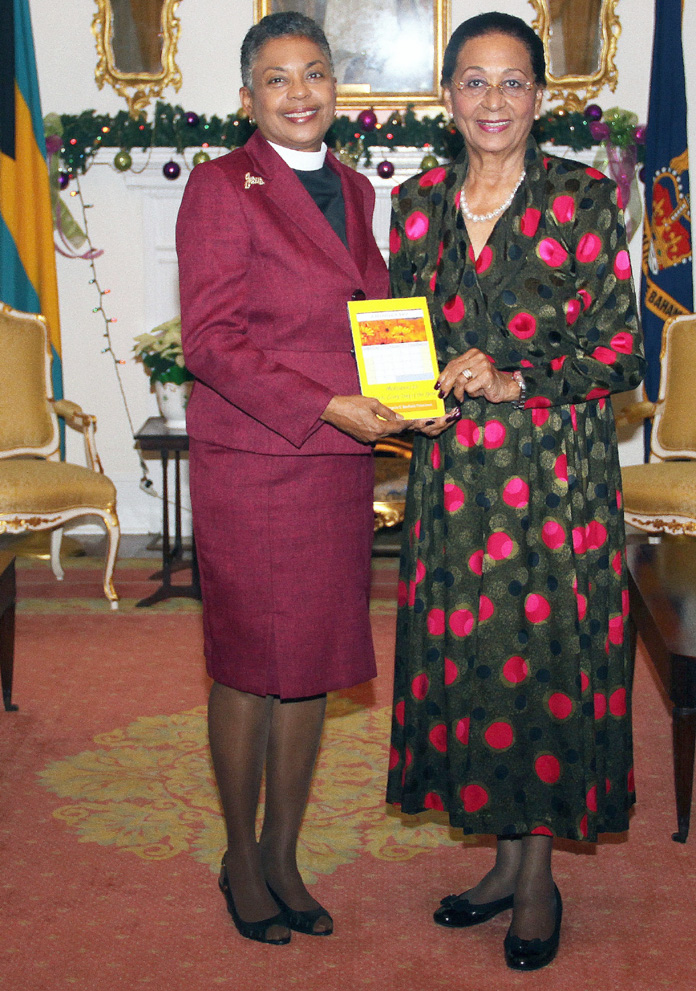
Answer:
[(666, 284), (27, 260)]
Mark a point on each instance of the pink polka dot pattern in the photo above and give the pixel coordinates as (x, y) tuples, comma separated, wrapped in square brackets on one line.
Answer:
[(416, 226), (474, 797), (454, 309), (552, 252), (563, 209), (523, 325)]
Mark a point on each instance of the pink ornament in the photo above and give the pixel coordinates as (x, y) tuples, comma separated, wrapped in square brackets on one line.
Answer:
[(192, 119), (593, 112), (171, 170), (367, 120), (599, 130), (53, 144), (639, 134), (385, 169)]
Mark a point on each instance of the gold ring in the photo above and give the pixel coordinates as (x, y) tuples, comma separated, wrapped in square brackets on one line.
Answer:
[(467, 373)]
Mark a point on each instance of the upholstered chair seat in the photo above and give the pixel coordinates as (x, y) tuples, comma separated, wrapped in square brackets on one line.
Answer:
[(45, 487)]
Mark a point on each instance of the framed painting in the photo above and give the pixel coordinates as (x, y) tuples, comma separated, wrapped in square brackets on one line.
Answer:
[(387, 53)]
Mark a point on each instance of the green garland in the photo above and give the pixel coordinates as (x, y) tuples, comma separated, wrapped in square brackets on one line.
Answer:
[(84, 134)]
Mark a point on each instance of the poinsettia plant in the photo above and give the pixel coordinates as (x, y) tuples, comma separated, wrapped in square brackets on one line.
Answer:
[(161, 353)]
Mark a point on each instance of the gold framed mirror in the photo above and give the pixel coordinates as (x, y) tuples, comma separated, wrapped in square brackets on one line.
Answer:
[(136, 48), (580, 38)]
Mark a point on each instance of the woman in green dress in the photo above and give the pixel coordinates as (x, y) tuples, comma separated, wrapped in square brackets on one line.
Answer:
[(513, 669)]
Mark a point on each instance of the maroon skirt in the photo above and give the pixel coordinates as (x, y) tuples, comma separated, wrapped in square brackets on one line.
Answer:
[(284, 547)]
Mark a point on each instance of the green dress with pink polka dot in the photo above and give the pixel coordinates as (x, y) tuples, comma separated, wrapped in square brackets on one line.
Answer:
[(513, 665)]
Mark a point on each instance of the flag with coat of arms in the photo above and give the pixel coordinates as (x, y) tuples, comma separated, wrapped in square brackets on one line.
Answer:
[(666, 283)]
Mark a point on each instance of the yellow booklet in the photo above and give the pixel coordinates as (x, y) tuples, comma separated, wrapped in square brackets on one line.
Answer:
[(395, 352)]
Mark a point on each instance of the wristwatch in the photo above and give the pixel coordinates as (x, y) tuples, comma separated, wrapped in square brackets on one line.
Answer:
[(519, 378)]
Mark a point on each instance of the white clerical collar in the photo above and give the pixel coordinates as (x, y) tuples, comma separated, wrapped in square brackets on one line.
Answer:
[(305, 161)]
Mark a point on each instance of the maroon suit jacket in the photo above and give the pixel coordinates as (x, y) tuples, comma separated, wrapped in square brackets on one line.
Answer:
[(264, 282)]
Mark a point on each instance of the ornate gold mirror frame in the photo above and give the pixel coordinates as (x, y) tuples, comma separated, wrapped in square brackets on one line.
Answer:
[(588, 23), (159, 37)]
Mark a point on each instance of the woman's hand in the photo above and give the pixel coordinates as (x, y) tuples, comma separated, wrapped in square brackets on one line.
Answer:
[(363, 418), (437, 426), (473, 374)]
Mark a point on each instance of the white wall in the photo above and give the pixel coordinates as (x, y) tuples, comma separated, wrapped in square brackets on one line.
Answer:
[(211, 34)]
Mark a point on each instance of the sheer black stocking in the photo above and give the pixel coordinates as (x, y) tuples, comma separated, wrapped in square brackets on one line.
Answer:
[(247, 731), (534, 912), (238, 728), (499, 882), (292, 751)]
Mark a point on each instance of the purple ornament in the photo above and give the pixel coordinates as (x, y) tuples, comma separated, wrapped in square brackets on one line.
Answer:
[(367, 120), (385, 169), (639, 134), (641, 174), (593, 112), (53, 144), (192, 119), (63, 180), (171, 170), (599, 130)]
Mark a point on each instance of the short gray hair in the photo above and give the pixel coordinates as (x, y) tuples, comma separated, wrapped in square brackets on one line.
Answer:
[(279, 26)]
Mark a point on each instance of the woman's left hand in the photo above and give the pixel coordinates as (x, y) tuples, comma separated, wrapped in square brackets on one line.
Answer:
[(473, 374)]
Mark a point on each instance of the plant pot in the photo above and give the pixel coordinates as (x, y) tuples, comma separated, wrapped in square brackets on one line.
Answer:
[(171, 401)]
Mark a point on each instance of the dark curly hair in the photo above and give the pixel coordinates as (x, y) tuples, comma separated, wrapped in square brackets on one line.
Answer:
[(494, 23), (279, 26)]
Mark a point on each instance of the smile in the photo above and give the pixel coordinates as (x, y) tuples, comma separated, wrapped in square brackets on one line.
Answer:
[(493, 126), (300, 116)]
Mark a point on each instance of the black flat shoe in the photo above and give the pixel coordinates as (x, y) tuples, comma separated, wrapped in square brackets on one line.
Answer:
[(533, 954), (303, 922), (252, 930), (458, 912)]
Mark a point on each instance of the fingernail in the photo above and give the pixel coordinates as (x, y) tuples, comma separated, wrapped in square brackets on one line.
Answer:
[(429, 423), (441, 394)]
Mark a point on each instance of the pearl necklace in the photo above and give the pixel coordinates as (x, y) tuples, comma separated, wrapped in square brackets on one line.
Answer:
[(479, 218)]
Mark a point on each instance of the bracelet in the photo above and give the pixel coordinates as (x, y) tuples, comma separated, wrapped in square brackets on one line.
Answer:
[(519, 378)]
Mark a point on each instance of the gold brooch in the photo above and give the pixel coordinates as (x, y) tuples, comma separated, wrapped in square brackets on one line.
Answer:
[(253, 180)]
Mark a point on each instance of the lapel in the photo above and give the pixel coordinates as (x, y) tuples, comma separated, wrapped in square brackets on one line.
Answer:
[(286, 193)]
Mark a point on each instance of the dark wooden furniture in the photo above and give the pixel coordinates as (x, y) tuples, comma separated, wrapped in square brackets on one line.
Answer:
[(154, 435), (8, 592), (662, 586)]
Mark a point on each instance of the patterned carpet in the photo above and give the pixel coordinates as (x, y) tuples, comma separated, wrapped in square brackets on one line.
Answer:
[(110, 833)]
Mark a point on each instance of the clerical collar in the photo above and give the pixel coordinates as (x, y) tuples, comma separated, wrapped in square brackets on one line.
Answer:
[(304, 161)]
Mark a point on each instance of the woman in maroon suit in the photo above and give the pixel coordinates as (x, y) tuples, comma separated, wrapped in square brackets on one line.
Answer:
[(273, 239)]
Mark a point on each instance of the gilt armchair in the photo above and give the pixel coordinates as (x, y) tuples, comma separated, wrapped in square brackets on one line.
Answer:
[(37, 490), (660, 496)]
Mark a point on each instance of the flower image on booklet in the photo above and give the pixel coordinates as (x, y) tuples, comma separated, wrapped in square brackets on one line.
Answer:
[(395, 353)]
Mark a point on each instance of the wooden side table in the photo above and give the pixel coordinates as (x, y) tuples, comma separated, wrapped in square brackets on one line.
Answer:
[(154, 435), (8, 593), (662, 587)]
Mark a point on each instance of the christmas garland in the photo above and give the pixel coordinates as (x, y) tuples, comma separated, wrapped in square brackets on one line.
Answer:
[(173, 127)]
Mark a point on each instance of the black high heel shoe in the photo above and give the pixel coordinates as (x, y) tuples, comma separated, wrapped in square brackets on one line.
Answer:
[(533, 954), (457, 912), (303, 922), (252, 930)]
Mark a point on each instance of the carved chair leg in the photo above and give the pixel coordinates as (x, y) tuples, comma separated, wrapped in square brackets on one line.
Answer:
[(113, 534), (56, 540)]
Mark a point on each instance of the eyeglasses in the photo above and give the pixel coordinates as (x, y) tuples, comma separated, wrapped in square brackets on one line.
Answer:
[(510, 89)]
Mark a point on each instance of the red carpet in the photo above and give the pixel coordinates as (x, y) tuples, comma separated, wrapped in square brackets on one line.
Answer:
[(110, 835)]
